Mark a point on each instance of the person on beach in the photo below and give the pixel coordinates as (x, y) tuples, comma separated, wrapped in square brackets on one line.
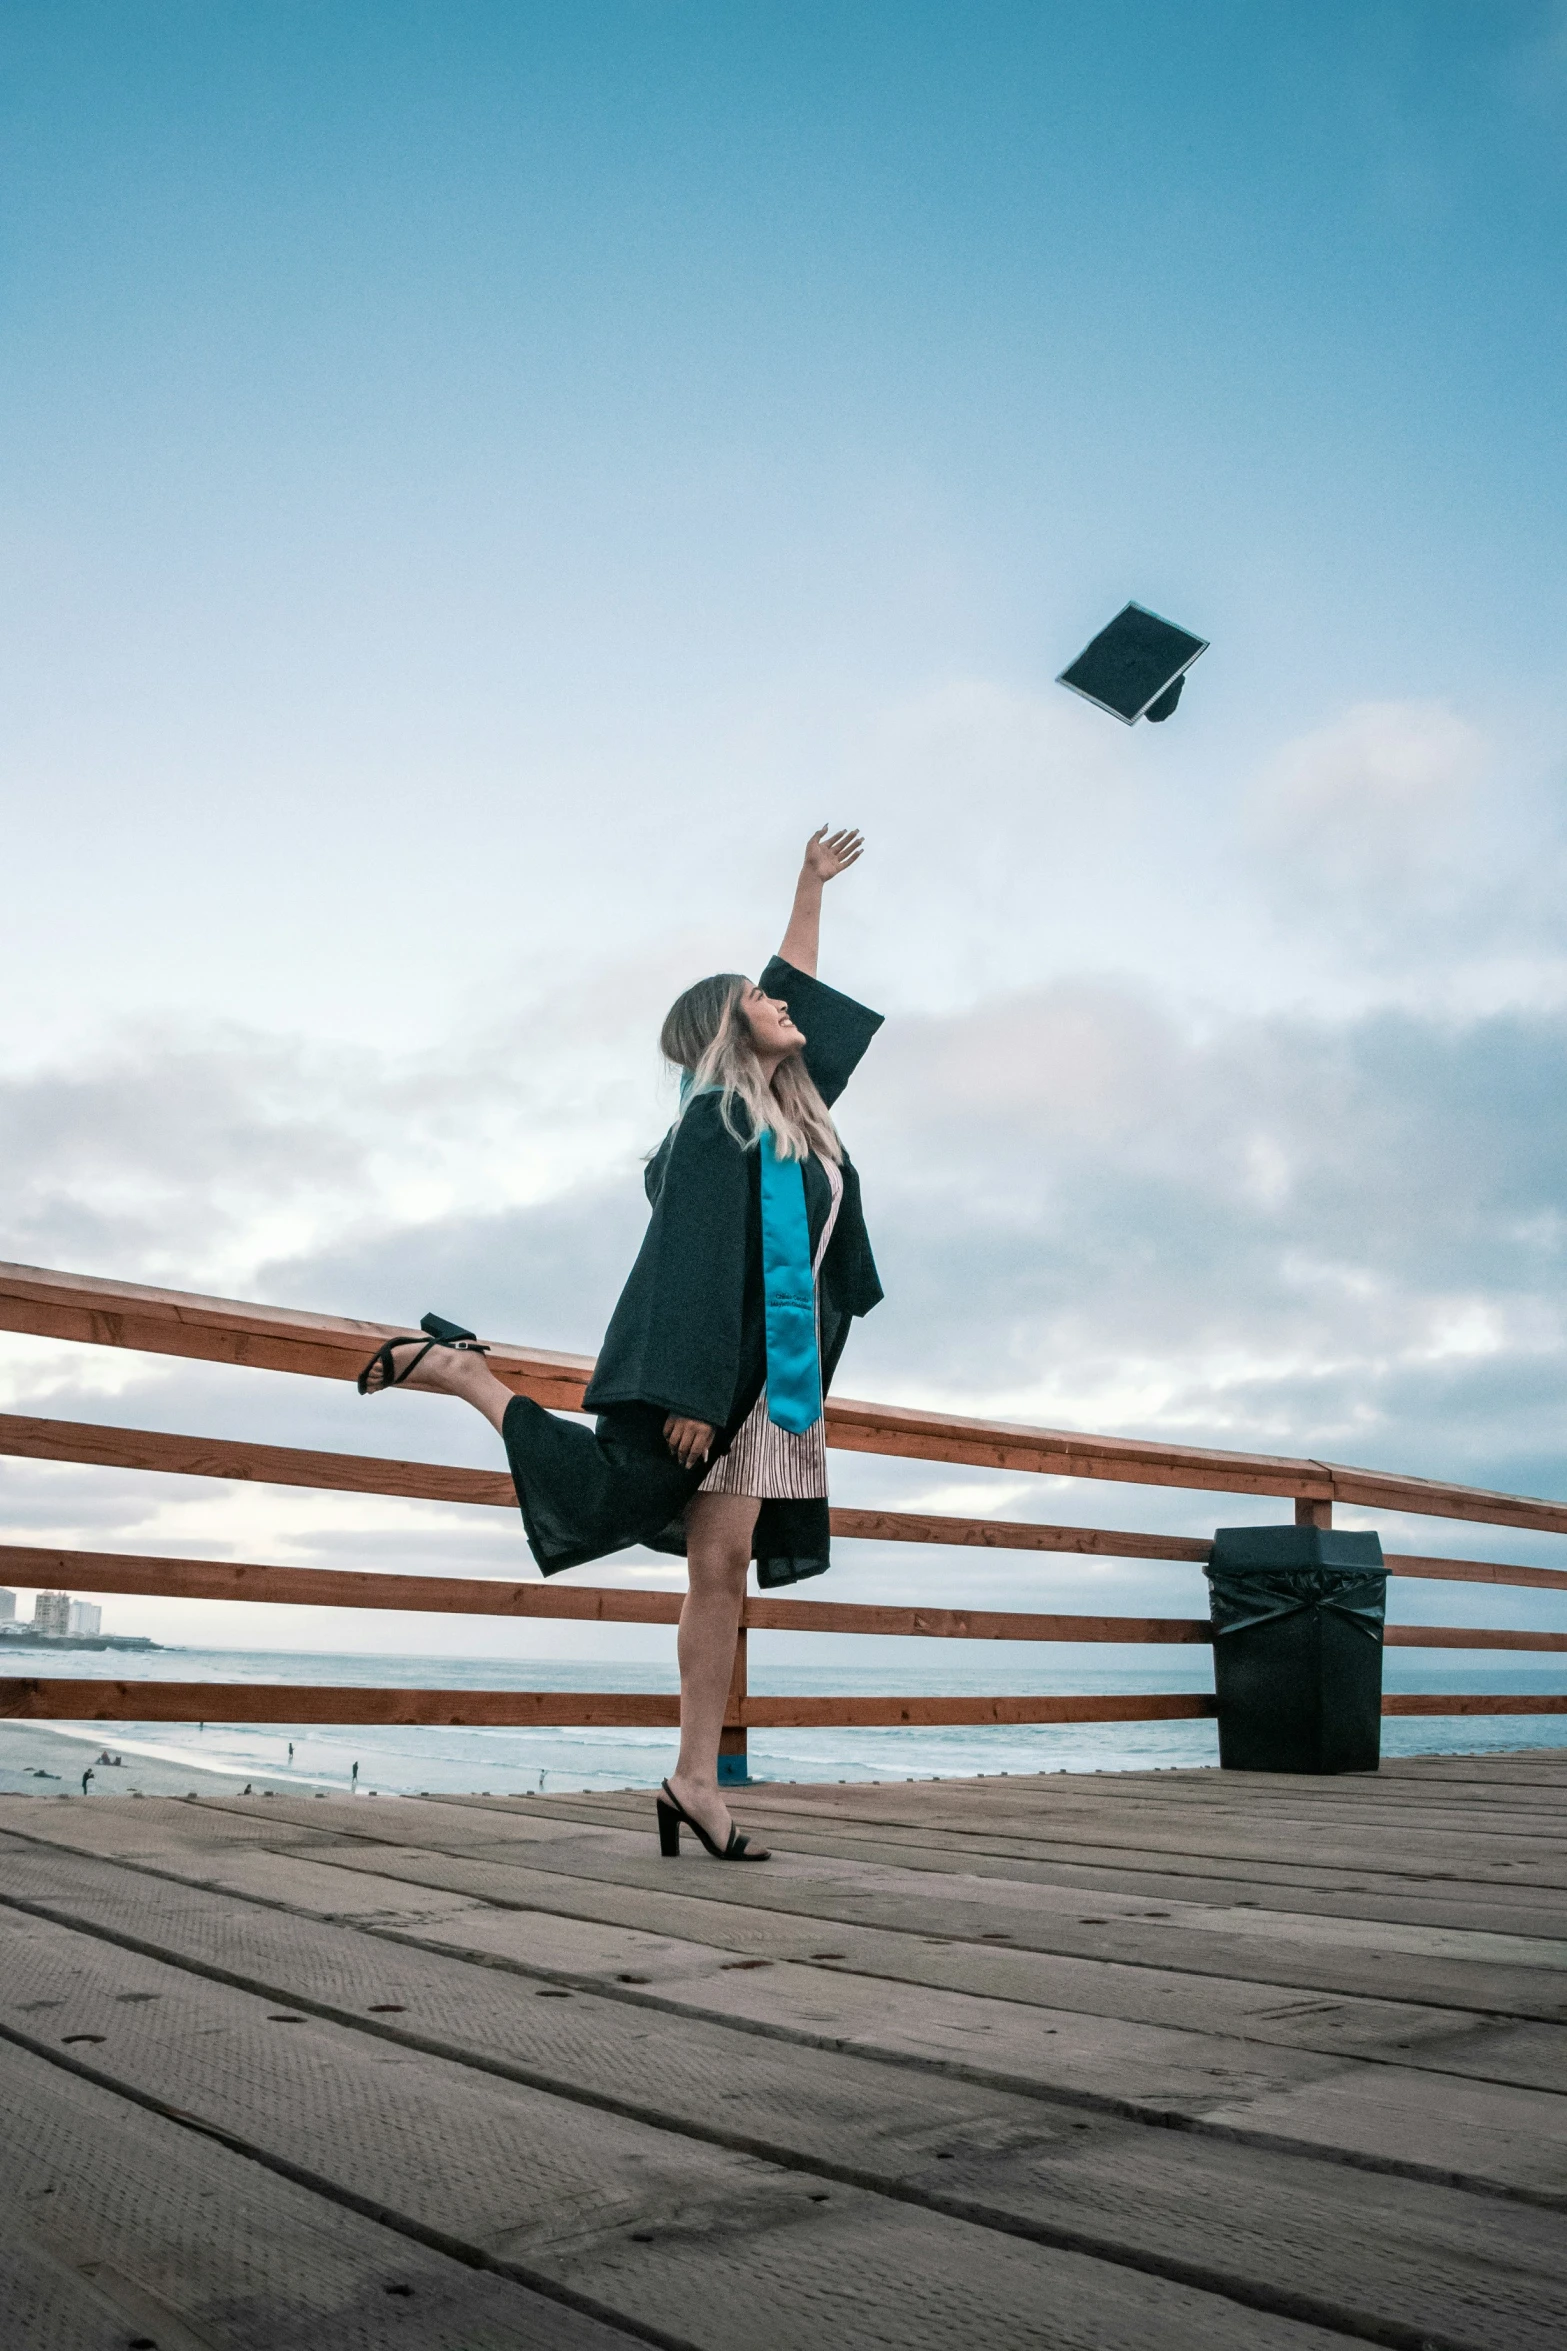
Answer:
[(709, 1439)]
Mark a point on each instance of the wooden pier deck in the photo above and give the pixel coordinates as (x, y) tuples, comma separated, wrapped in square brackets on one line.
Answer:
[(1160, 2059)]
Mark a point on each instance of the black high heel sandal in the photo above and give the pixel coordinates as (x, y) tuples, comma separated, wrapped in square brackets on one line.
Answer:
[(671, 1812), (440, 1333)]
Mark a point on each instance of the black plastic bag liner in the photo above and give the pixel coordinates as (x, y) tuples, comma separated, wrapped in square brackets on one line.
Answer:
[(1297, 1624)]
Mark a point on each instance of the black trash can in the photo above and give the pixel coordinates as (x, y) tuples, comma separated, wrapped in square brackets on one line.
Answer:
[(1297, 1648)]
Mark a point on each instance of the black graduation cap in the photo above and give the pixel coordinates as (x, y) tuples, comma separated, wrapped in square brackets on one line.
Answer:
[(1136, 667)]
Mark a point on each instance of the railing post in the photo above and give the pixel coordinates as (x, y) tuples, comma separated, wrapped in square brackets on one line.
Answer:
[(1310, 1513), (733, 1760)]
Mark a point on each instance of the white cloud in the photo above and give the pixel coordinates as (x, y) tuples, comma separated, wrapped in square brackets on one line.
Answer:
[(1384, 799), (1406, 858)]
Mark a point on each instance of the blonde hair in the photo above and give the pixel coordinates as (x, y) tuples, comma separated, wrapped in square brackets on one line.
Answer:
[(707, 1035)]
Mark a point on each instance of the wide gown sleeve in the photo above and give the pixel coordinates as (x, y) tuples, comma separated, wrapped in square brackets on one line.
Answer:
[(836, 1029), (675, 1337)]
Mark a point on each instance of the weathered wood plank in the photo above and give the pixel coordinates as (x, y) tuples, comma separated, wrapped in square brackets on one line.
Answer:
[(122, 2227), (908, 1896), (1106, 1879), (1268, 1832), (1011, 1824), (573, 2188), (1419, 2253), (1423, 1896), (1221, 2024), (897, 1925), (622, 1880), (1012, 1838)]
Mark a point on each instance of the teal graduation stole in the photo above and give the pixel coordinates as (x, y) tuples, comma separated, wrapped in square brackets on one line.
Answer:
[(794, 1372)]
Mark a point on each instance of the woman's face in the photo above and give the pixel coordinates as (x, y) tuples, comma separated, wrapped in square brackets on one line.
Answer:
[(773, 1033)]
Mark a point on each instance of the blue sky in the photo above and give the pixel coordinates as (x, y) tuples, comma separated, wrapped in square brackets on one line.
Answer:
[(484, 481)]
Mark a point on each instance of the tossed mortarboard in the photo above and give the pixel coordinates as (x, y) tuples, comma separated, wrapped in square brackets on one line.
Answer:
[(1136, 667)]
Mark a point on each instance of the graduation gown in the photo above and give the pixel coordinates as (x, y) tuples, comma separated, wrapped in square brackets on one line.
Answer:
[(689, 1333)]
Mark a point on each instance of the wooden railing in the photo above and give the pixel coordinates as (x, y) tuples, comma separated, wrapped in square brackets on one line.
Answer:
[(219, 1330)]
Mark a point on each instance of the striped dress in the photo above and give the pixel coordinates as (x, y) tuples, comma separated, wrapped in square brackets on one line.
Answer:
[(768, 1463)]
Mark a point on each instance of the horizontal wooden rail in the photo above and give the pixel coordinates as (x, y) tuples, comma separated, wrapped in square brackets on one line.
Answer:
[(898, 1713), (1014, 1534), (96, 1445), (44, 1698), (327, 1587), (330, 1587), (148, 1577), (965, 1624), (54, 1305), (1463, 1636), (181, 1324), (92, 1444), (1473, 1571), (174, 1322), (1477, 1702)]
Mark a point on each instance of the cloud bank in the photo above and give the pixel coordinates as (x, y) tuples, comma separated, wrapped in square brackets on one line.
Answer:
[(1332, 1228)]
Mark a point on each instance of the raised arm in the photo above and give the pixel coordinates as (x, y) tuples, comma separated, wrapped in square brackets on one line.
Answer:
[(826, 855)]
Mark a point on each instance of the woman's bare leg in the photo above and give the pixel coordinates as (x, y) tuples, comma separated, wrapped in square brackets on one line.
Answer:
[(719, 1528), (456, 1371)]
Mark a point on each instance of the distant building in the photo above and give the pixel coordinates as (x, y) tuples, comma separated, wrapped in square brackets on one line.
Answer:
[(52, 1615), (7, 1608), (86, 1619)]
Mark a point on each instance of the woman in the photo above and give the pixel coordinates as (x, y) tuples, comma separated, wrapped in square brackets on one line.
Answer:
[(709, 1439)]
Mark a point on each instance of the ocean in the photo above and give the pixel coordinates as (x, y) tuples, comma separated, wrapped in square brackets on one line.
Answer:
[(402, 1760)]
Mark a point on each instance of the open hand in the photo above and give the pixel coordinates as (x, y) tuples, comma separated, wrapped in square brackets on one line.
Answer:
[(829, 854), (690, 1441)]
